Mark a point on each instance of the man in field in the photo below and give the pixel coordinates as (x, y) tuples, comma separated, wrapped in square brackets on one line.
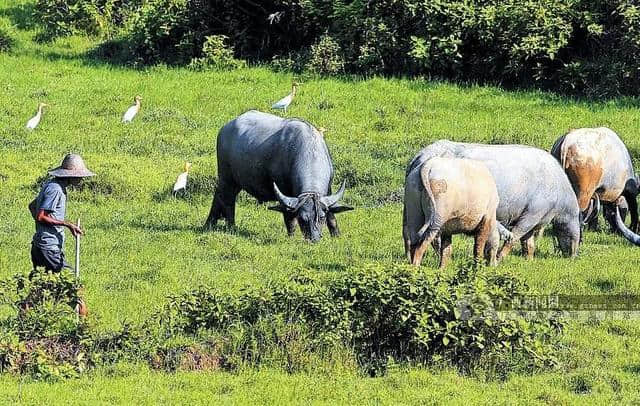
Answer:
[(48, 210)]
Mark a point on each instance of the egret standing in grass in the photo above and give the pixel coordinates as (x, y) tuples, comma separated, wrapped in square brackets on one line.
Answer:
[(35, 120), (286, 101), (132, 111), (181, 182)]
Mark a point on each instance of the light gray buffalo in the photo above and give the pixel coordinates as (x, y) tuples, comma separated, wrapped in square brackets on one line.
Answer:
[(599, 166), (276, 159), (446, 196), (533, 189)]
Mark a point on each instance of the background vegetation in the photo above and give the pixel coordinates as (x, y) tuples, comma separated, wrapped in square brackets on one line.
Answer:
[(142, 245), (572, 46)]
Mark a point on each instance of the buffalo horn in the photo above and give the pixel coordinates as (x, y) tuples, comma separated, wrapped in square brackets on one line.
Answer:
[(334, 198), (289, 202)]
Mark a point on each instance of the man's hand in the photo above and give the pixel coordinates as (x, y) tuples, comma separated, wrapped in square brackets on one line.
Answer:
[(75, 230), (45, 218)]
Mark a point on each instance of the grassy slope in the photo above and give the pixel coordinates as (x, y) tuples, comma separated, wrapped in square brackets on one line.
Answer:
[(142, 245)]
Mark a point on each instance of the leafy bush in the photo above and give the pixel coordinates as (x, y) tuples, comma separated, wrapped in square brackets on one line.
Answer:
[(576, 46), (383, 314), (370, 316), (59, 18), (325, 57), (6, 39), (216, 55), (42, 337)]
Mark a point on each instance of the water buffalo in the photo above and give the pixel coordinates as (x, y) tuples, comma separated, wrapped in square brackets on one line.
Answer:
[(276, 159), (533, 191), (598, 165), (446, 196)]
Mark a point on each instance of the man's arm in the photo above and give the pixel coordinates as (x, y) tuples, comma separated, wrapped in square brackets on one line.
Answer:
[(44, 218), (32, 209)]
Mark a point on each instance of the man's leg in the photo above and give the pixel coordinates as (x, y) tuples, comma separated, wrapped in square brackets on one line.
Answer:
[(50, 260), (35, 258)]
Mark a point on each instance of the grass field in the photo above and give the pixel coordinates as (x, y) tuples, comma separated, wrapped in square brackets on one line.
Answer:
[(142, 244)]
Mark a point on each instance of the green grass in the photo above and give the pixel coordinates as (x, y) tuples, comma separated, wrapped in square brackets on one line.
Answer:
[(141, 244)]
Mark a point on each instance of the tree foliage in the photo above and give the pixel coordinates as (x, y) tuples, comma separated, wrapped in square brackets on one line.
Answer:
[(580, 46)]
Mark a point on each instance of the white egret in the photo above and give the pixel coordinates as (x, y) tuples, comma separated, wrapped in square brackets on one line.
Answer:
[(132, 111), (181, 182), (35, 120), (282, 104)]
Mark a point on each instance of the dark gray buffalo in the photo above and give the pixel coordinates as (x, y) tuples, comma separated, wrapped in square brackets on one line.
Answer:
[(276, 159), (533, 190)]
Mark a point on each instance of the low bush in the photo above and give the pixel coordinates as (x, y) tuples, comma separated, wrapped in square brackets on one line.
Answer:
[(325, 57), (216, 54), (372, 315), (42, 337), (384, 314), (7, 41), (60, 18)]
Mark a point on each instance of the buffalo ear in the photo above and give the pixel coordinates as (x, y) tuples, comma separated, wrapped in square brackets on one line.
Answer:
[(338, 208)]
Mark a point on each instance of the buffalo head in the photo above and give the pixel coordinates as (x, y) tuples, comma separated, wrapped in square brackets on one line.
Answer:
[(310, 209)]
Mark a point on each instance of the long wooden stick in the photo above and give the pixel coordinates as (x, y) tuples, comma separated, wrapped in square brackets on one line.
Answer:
[(78, 253), (77, 270)]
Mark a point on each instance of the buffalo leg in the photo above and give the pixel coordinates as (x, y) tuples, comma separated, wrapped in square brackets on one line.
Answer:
[(436, 245), (223, 205), (332, 224), (633, 210), (521, 229), (609, 214), (491, 248), (594, 224), (480, 240), (445, 250), (528, 245), (417, 251), (505, 250), (216, 212), (290, 222)]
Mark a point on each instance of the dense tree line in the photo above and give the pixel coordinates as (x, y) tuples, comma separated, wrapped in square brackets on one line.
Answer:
[(578, 46)]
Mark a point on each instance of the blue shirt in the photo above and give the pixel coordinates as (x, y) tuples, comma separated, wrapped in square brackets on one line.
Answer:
[(52, 199)]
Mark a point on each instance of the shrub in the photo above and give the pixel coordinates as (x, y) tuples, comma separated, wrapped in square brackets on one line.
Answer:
[(60, 18), (216, 55), (325, 57), (6, 39), (575, 46), (383, 314), (42, 337), (370, 316)]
